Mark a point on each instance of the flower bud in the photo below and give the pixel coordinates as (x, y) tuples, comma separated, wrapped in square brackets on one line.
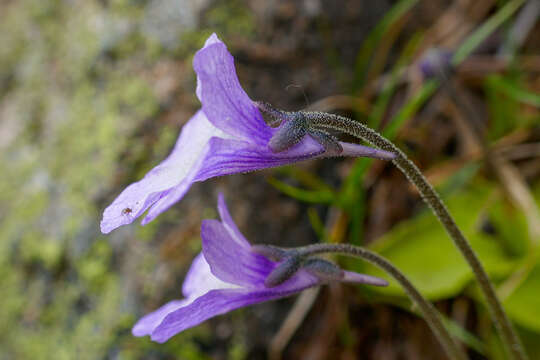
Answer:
[(289, 134), (283, 271)]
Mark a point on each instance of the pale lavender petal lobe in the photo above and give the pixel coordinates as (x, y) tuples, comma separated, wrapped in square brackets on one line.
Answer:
[(159, 182), (147, 324), (199, 279), (177, 192)]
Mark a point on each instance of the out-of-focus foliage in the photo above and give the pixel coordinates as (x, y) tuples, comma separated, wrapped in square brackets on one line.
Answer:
[(78, 80), (437, 268)]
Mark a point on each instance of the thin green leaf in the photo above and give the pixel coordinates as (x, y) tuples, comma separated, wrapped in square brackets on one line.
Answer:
[(511, 90), (305, 178), (410, 108), (309, 196), (364, 55), (465, 336), (478, 36), (523, 304), (317, 224)]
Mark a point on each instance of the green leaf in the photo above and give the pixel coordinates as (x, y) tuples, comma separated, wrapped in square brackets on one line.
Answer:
[(523, 306), (531, 341), (510, 224), (422, 250), (351, 198), (317, 224)]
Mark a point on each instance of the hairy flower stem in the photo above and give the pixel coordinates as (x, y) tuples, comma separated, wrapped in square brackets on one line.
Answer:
[(452, 349), (413, 174)]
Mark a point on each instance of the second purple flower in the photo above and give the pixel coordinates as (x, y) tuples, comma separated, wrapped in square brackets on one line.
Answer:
[(228, 274)]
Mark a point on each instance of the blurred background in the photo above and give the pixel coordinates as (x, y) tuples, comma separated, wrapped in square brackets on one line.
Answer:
[(93, 94)]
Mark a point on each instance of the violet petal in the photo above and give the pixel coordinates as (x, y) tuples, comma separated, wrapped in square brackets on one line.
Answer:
[(230, 261), (223, 100), (147, 324), (217, 302), (229, 223), (230, 156), (199, 280)]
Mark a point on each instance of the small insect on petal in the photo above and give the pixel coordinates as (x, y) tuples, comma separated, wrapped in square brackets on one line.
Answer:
[(126, 211)]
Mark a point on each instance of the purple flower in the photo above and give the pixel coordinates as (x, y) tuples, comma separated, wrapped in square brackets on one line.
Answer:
[(228, 135), (227, 275)]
